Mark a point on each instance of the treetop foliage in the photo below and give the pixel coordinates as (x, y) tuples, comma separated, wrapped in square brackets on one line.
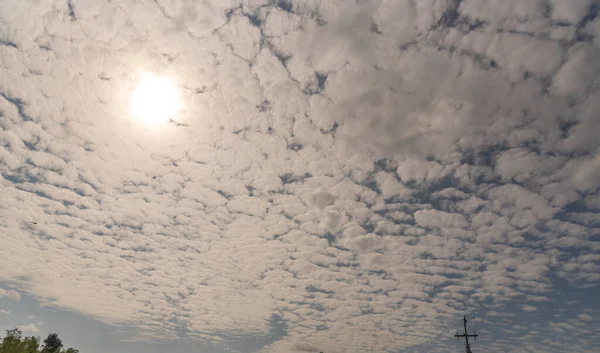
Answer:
[(15, 342)]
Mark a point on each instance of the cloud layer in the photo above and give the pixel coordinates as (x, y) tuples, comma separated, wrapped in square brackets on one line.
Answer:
[(10, 294), (364, 172)]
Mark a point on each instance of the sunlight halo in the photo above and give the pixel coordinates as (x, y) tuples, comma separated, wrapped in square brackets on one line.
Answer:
[(155, 100)]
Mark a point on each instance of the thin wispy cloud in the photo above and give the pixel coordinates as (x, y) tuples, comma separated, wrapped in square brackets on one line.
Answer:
[(29, 328), (10, 294)]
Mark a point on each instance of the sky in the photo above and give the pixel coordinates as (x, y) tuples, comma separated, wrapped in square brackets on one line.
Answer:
[(341, 176)]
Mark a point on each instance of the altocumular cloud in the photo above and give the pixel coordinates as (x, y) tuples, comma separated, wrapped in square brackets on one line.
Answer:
[(364, 171)]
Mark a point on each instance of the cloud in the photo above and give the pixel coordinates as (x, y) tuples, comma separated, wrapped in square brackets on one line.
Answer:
[(362, 170), (29, 328), (10, 294)]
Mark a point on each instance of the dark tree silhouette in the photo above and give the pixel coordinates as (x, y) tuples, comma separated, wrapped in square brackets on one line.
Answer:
[(31, 344), (52, 344), (14, 342), (11, 343)]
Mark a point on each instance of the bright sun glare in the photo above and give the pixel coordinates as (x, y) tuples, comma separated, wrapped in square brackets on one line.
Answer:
[(155, 100)]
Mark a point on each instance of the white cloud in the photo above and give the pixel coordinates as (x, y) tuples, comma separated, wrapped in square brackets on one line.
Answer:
[(433, 218), (10, 294), (348, 166), (29, 328), (570, 11)]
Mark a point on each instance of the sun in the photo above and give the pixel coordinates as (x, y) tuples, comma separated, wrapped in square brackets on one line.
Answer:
[(155, 100)]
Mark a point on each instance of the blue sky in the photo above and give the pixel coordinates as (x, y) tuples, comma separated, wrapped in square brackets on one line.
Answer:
[(301, 176), (82, 331)]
